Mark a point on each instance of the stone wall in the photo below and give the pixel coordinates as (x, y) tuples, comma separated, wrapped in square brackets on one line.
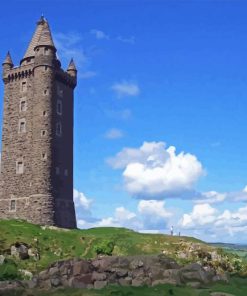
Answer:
[(124, 271)]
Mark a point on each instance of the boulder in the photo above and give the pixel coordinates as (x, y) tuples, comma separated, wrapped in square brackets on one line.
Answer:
[(19, 250)]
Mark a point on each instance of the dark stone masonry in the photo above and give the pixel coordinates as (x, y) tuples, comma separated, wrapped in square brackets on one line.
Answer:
[(37, 135), (124, 271)]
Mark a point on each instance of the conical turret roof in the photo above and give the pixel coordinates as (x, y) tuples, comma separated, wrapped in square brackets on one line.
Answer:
[(8, 59), (72, 66), (41, 36)]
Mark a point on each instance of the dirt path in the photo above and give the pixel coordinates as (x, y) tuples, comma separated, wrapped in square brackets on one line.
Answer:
[(88, 247)]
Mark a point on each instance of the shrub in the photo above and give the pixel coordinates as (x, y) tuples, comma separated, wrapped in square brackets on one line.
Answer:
[(9, 271), (104, 247)]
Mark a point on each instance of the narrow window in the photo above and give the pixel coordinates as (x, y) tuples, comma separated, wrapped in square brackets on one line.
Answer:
[(43, 133), (22, 126), (57, 171), (59, 129), (59, 91), (46, 50), (59, 107), (19, 167), (23, 106), (45, 92), (24, 86), (44, 156), (12, 205), (44, 113), (65, 172)]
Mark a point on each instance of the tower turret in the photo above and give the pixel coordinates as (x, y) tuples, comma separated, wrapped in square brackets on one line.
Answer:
[(41, 46), (7, 64), (72, 68)]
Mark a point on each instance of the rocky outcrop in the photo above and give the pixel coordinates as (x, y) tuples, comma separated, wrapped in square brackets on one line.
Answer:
[(23, 251), (124, 271)]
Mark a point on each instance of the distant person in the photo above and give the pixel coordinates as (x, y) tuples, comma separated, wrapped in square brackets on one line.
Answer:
[(171, 230)]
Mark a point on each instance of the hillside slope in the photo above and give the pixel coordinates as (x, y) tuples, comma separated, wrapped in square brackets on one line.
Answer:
[(48, 244)]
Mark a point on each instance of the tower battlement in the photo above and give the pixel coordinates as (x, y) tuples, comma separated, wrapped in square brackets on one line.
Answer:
[(37, 135)]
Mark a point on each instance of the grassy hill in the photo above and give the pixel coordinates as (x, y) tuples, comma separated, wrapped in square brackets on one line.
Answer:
[(55, 244)]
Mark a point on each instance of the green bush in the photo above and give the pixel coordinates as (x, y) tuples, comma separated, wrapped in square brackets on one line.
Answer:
[(104, 247), (9, 271)]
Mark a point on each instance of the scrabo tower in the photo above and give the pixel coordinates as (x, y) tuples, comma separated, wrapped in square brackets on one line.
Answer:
[(37, 135)]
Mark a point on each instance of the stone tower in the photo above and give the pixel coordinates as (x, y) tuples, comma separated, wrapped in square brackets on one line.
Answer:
[(37, 135)]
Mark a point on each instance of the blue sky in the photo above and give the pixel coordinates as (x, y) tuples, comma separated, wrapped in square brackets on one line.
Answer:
[(152, 72)]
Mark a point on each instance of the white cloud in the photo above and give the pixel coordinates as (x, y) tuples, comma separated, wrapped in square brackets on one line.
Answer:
[(83, 207), (154, 172), (211, 197), (113, 134), (81, 200), (126, 88), (153, 209), (239, 196), (149, 215), (99, 34), (209, 223), (201, 214)]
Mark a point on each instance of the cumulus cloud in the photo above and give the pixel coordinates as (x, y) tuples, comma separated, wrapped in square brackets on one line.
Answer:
[(99, 34), (211, 197), (154, 214), (113, 134), (153, 171), (210, 223), (83, 207), (81, 200), (121, 218), (126, 88), (201, 215), (238, 196), (149, 216)]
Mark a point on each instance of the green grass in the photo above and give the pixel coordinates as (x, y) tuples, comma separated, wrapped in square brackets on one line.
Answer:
[(59, 244), (237, 286)]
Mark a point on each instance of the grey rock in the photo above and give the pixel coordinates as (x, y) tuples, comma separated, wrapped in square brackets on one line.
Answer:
[(100, 284), (19, 250), (55, 282), (97, 276), (141, 282), (125, 281), (2, 259), (194, 285)]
